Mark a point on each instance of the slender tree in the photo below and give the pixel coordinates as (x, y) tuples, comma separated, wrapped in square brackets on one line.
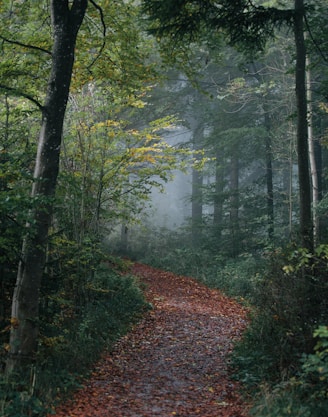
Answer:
[(249, 26), (306, 226), (66, 18)]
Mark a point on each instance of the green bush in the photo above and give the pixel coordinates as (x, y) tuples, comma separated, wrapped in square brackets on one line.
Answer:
[(266, 352), (236, 277), (278, 351), (305, 395), (174, 251), (74, 332)]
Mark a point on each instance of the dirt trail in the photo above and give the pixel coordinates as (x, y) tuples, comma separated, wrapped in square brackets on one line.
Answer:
[(174, 362)]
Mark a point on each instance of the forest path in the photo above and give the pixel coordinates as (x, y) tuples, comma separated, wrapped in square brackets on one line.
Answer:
[(173, 362)]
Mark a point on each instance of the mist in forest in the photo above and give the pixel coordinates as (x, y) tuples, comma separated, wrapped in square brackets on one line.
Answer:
[(172, 207)]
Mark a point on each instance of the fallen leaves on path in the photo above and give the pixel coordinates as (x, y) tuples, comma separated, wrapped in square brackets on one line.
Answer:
[(174, 362)]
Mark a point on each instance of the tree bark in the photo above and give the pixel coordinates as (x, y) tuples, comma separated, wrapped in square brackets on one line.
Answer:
[(196, 205), (234, 202), (66, 21), (312, 156), (197, 189), (218, 198), (269, 176), (306, 227)]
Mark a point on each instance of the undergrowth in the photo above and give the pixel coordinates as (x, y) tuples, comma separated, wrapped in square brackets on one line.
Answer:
[(305, 394), (79, 320), (282, 358), (171, 251)]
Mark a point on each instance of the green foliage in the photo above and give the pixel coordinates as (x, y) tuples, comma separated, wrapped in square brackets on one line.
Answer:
[(304, 394), (170, 250), (265, 353), (16, 155), (245, 23), (315, 367), (17, 399), (109, 167), (75, 330), (276, 351), (287, 307), (237, 277)]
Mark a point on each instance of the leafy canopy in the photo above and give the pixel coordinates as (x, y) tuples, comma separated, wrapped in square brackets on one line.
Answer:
[(245, 22)]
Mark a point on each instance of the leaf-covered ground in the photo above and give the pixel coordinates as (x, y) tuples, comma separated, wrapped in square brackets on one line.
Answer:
[(174, 362)]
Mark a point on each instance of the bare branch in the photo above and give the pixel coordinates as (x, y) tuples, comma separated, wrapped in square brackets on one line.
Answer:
[(24, 45), (104, 32)]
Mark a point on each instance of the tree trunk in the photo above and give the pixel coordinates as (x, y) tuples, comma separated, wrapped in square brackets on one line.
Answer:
[(268, 156), (234, 203), (312, 156), (66, 21), (196, 205), (218, 198), (306, 229), (197, 190), (269, 175)]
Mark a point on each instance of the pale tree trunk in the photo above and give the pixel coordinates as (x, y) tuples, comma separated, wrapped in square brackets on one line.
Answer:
[(218, 198), (66, 21), (289, 189), (197, 205), (306, 227), (269, 174), (234, 202), (197, 191), (312, 156)]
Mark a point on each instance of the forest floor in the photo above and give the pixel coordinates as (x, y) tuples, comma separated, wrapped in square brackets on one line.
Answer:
[(174, 362)]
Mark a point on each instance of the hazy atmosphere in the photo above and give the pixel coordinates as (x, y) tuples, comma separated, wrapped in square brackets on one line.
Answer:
[(163, 208)]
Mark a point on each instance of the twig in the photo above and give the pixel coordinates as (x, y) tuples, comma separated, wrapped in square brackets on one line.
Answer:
[(104, 32)]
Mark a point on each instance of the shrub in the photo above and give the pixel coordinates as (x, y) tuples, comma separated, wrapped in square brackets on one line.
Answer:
[(276, 351), (74, 331), (305, 395)]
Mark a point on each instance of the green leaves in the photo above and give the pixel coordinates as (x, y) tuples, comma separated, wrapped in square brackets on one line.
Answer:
[(109, 167), (245, 23)]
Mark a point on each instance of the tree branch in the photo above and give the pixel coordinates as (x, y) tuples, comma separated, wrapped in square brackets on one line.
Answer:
[(24, 45), (18, 93), (104, 32), (315, 43)]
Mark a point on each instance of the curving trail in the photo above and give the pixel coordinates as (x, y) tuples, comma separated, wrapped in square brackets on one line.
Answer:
[(174, 362)]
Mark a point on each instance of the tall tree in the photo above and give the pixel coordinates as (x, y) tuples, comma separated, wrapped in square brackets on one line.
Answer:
[(66, 19), (306, 226), (249, 25)]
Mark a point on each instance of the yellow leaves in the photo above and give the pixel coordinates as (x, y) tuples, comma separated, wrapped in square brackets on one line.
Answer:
[(141, 155), (288, 269), (104, 125), (139, 104), (148, 158), (52, 341), (324, 107), (14, 322)]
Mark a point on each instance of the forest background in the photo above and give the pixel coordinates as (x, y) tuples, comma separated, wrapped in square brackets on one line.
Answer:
[(217, 101)]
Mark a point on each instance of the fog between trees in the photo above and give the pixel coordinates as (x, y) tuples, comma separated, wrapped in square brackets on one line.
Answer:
[(96, 116)]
